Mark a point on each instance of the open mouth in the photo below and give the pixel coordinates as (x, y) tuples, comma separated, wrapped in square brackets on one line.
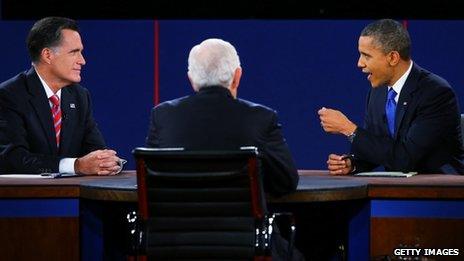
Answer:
[(369, 75)]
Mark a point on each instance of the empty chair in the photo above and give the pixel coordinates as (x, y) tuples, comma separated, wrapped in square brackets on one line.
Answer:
[(202, 205)]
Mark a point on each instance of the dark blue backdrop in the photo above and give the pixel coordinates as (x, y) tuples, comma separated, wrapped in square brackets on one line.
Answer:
[(293, 66)]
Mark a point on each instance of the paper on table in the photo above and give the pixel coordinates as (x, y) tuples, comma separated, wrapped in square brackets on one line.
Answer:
[(394, 174), (40, 176), (25, 176)]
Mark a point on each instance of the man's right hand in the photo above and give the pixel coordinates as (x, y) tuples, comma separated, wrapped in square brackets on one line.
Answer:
[(338, 165), (335, 122), (100, 162)]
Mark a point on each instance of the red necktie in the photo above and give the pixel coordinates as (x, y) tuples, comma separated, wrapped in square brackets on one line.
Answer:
[(56, 114)]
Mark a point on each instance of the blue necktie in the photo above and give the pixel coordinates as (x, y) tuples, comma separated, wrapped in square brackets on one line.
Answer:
[(390, 109)]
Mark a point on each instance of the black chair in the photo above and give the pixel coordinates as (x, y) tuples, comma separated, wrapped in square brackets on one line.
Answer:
[(200, 205)]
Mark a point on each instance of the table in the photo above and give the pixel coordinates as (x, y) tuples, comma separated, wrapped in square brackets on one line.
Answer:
[(383, 209)]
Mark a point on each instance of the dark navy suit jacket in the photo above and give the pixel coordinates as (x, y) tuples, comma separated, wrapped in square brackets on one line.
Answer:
[(427, 129), (26, 125), (213, 120)]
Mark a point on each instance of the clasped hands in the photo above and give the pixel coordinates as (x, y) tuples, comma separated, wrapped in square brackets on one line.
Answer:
[(335, 122), (100, 162), (339, 164)]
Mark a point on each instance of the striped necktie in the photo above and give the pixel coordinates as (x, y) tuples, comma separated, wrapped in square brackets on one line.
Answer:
[(56, 114)]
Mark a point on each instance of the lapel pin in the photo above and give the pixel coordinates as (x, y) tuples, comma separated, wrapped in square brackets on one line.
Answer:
[(72, 106), (405, 103)]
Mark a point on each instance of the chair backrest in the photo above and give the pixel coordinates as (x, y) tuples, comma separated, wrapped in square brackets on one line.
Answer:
[(199, 204)]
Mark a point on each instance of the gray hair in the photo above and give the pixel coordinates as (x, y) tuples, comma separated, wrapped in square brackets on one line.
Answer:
[(212, 62), (390, 35)]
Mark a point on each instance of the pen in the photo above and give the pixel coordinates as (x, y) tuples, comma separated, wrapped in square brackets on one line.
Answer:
[(347, 156)]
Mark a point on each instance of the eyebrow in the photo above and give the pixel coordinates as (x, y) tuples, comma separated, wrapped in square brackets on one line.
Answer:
[(75, 50), (365, 54)]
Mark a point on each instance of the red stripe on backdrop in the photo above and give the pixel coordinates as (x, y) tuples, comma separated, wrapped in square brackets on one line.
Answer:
[(156, 61)]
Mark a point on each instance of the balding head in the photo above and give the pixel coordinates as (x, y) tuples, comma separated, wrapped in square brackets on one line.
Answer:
[(213, 62)]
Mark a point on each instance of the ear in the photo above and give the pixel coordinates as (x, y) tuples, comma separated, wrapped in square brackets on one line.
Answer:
[(191, 83), (393, 58), (46, 55), (235, 81)]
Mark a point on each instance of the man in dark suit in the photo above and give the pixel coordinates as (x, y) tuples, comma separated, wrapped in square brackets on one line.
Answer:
[(412, 120), (215, 119), (46, 122)]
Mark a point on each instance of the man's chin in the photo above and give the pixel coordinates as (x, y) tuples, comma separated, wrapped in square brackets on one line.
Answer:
[(76, 79), (375, 85)]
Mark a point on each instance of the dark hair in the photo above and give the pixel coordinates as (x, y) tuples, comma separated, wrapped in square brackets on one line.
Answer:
[(390, 35), (46, 33)]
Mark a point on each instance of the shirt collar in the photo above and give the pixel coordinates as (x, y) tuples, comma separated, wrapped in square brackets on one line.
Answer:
[(215, 89), (47, 88), (398, 86)]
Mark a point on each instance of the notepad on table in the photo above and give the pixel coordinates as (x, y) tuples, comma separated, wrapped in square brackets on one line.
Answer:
[(393, 174), (60, 175)]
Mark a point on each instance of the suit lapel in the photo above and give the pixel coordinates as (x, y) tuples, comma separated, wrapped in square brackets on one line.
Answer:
[(42, 108), (405, 96), (380, 102), (68, 108)]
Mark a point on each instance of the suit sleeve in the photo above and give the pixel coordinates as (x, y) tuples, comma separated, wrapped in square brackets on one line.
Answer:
[(152, 140), (434, 116), (16, 156), (93, 139), (279, 173), (363, 165)]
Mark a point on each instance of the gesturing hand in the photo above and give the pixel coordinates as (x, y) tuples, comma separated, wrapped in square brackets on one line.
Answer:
[(335, 122)]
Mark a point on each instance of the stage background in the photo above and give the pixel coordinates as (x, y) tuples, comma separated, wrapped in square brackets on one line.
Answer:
[(292, 66)]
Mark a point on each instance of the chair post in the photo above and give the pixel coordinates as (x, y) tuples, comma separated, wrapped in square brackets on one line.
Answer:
[(142, 188)]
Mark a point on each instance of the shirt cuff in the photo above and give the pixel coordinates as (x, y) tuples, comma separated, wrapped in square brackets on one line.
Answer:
[(67, 165)]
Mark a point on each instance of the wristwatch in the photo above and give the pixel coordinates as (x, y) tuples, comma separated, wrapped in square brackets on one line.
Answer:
[(352, 135)]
